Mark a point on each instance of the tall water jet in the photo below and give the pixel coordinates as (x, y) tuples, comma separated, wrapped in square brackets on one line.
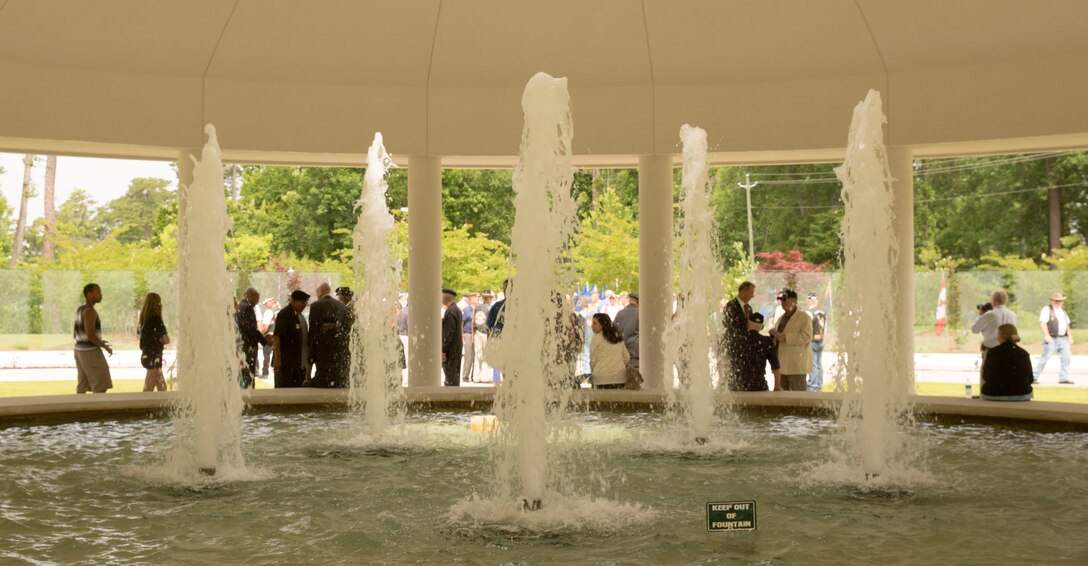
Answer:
[(375, 371), (873, 422), (689, 339), (209, 414), (544, 221)]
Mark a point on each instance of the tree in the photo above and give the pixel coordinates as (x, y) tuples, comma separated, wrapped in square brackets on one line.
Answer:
[(971, 208), (20, 227), (589, 184), (473, 262), (248, 252), (133, 214), (606, 247), (77, 220), (482, 199), (307, 211), (805, 215), (48, 244), (5, 224), (793, 261)]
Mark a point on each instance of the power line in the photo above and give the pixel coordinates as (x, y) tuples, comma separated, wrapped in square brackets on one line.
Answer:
[(927, 201), (827, 177), (995, 163)]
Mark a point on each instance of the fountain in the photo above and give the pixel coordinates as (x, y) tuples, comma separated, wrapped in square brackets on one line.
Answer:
[(875, 423), (689, 340), (73, 492), (208, 414), (544, 222), (376, 375)]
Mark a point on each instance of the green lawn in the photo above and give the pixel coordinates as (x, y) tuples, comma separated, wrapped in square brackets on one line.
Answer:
[(24, 388), (1031, 339), (60, 342)]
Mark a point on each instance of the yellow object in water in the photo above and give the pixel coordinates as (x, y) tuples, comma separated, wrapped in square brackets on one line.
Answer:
[(483, 423)]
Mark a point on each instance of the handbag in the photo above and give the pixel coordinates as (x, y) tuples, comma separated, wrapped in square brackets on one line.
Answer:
[(634, 379)]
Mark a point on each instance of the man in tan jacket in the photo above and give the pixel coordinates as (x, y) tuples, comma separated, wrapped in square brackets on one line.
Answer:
[(793, 332)]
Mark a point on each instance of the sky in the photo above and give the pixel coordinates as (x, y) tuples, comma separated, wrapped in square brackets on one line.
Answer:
[(104, 179)]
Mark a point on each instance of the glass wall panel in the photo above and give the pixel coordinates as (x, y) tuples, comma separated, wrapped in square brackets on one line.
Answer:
[(62, 293), (119, 308), (15, 308), (1031, 292)]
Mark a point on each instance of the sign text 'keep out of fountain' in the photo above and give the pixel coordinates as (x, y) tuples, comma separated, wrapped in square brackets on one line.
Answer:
[(731, 516)]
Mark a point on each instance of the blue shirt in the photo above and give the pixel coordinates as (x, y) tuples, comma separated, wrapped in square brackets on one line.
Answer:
[(466, 316)]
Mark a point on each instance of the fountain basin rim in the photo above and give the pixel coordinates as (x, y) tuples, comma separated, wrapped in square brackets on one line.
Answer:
[(93, 407)]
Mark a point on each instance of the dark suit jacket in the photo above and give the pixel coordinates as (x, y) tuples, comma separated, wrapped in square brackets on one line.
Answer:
[(289, 333), (246, 319), (735, 321), (736, 344), (325, 309), (451, 333)]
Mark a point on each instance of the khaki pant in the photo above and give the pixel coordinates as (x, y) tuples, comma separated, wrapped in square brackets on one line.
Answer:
[(481, 371), (468, 361), (92, 371), (795, 382)]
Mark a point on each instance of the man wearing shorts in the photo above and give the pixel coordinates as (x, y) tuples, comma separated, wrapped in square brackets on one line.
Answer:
[(91, 367)]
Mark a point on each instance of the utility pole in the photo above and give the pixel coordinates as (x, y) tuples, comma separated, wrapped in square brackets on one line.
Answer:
[(748, 185)]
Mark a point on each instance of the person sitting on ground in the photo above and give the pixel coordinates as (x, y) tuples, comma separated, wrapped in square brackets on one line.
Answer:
[(608, 355), (1006, 373), (759, 351)]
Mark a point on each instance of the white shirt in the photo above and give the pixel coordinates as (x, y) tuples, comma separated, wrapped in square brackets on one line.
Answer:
[(987, 324), (1059, 313), (607, 361), (269, 314)]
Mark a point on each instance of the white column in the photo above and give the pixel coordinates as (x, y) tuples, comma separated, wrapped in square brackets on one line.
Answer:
[(185, 178), (654, 264), (424, 270), (901, 162)]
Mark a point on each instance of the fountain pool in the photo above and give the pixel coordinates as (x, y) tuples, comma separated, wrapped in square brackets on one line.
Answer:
[(90, 493)]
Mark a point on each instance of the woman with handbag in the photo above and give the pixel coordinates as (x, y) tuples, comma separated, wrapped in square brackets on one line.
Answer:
[(608, 355)]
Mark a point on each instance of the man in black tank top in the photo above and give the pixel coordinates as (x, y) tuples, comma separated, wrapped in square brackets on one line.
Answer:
[(93, 373)]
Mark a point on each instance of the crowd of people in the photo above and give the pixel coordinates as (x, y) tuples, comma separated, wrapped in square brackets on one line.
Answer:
[(596, 337), (597, 341), (793, 347)]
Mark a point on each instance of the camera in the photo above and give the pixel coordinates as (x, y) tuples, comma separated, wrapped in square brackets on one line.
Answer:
[(984, 308)]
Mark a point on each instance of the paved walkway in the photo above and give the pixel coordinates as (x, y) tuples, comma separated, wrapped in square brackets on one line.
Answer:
[(125, 364)]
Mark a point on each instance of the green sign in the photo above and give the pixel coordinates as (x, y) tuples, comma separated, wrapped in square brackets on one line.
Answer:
[(731, 516)]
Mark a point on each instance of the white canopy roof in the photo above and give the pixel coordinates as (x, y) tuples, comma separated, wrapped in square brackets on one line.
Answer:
[(310, 81)]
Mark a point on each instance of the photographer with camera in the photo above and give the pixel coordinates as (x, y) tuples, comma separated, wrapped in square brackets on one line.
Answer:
[(991, 316)]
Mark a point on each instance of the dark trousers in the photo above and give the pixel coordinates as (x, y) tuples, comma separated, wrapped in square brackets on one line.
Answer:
[(451, 370), (266, 362), (249, 367), (290, 377)]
